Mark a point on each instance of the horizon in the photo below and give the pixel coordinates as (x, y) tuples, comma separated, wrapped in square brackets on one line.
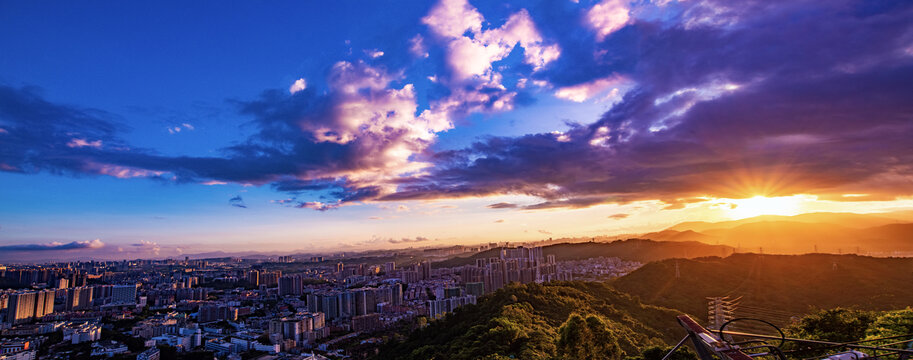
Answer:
[(348, 127)]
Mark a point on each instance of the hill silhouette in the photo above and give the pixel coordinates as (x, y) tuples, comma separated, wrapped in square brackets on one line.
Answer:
[(807, 233), (778, 286), (629, 250), (686, 235), (852, 220)]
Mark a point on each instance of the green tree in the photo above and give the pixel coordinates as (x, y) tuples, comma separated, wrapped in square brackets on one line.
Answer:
[(891, 323), (838, 325), (587, 338), (658, 352)]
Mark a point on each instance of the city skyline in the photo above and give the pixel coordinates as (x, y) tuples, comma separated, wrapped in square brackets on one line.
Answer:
[(153, 132)]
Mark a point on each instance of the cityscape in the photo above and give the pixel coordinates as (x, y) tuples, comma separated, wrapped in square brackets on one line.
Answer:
[(233, 306), (456, 180)]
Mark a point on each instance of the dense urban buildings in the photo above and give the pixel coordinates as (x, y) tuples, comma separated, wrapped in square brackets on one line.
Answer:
[(230, 306)]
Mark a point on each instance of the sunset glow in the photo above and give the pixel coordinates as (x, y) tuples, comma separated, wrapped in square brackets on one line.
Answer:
[(760, 205), (329, 126)]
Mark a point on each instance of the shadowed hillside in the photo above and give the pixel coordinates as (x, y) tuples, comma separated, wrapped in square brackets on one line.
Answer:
[(782, 284)]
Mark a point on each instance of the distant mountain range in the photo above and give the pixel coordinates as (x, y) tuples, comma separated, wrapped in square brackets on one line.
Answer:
[(876, 234), (630, 250)]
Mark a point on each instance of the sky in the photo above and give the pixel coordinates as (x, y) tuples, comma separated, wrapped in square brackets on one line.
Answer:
[(161, 129)]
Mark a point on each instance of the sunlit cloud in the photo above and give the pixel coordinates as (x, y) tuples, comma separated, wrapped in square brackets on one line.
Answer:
[(297, 86), (77, 143), (607, 17)]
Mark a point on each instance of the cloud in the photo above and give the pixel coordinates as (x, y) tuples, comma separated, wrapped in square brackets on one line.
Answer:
[(545, 232), (502, 205), (699, 112), (607, 17), (585, 91), (417, 46), (453, 18), (297, 86), (408, 240), (763, 98), (76, 143), (619, 216), (148, 246), (75, 245), (472, 56), (319, 206), (237, 201), (177, 129), (374, 53), (499, 221)]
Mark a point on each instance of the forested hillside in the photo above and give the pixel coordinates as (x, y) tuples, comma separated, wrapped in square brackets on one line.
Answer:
[(541, 322)]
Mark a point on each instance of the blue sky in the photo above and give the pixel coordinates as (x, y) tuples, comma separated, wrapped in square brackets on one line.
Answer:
[(138, 123)]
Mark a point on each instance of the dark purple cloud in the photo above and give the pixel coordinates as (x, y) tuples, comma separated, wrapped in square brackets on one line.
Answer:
[(502, 205), (75, 245), (786, 98), (237, 201)]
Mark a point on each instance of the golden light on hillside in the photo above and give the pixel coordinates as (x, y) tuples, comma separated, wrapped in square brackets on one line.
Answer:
[(762, 205)]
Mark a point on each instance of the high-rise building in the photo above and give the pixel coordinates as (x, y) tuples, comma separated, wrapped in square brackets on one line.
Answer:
[(476, 289), (361, 303), (397, 294), (124, 294), (366, 323), (217, 313), (290, 285), (79, 298), (452, 292), (426, 270), (253, 277), (26, 306), (45, 303), (270, 278), (21, 307)]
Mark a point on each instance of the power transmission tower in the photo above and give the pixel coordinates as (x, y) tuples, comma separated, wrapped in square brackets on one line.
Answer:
[(720, 310)]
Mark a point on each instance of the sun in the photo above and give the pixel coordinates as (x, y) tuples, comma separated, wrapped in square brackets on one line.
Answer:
[(762, 205)]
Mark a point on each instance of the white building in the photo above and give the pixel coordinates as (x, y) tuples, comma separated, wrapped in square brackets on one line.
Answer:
[(80, 333)]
